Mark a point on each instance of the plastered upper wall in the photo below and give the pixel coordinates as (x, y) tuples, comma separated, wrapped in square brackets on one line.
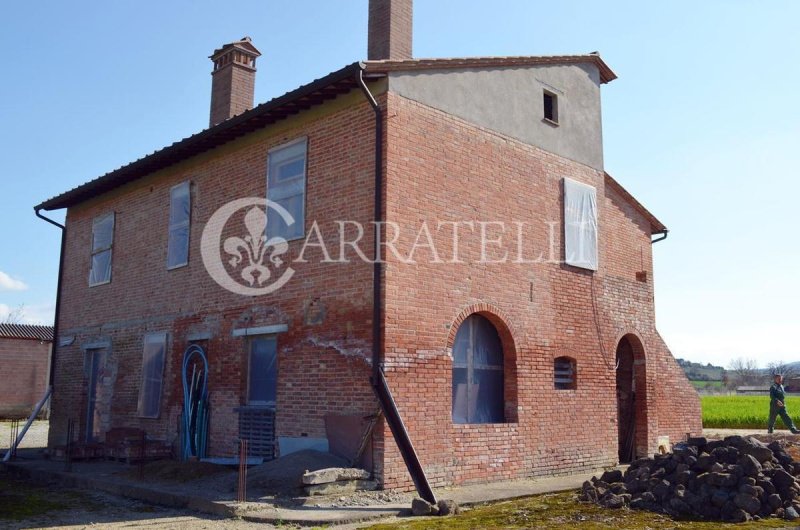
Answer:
[(509, 101)]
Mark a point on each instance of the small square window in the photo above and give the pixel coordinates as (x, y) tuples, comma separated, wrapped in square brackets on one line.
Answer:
[(550, 106)]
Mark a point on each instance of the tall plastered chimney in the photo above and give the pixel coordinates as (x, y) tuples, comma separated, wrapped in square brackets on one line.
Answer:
[(390, 30), (233, 79)]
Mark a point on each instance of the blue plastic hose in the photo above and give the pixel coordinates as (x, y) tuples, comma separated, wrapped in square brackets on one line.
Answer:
[(195, 405)]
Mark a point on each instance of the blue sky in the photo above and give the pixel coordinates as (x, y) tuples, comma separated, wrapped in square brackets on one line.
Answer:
[(701, 126)]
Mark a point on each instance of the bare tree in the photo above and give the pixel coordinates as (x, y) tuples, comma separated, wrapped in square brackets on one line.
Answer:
[(780, 367), (14, 316), (743, 372)]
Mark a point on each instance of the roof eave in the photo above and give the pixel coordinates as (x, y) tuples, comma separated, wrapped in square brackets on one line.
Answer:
[(606, 73), (656, 226)]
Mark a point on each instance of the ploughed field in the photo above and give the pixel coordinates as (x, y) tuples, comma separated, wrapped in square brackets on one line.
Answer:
[(744, 412)]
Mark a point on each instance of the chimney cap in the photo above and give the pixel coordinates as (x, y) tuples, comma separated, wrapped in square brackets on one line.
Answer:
[(245, 44)]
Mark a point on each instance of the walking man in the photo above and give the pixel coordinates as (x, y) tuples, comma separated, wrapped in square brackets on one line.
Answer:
[(777, 406)]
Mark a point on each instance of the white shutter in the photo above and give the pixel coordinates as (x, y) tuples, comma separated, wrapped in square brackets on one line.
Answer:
[(580, 225)]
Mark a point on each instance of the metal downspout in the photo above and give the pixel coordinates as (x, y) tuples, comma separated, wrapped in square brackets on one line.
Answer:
[(54, 348), (378, 380)]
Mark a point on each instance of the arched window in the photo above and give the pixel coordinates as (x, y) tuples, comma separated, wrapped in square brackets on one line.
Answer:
[(564, 373), (478, 393)]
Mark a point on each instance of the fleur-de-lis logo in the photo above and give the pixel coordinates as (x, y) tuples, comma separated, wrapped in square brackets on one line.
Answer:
[(253, 248), (251, 256)]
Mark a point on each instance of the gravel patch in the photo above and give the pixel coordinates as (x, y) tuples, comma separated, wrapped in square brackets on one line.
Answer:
[(35, 438)]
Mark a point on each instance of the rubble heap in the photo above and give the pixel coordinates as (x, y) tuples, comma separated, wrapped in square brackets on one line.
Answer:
[(732, 480)]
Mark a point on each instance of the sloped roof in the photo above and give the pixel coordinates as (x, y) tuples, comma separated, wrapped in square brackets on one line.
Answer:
[(302, 98), (606, 74), (26, 331), (656, 226)]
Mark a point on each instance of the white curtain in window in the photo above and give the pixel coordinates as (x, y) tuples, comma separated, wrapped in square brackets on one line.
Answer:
[(580, 224)]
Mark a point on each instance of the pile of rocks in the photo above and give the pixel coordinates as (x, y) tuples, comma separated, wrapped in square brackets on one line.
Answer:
[(734, 480), (337, 480), (443, 507)]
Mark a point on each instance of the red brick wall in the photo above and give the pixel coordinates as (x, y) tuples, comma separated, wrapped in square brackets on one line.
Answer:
[(390, 29), (322, 366), (442, 168), (23, 371), (232, 89)]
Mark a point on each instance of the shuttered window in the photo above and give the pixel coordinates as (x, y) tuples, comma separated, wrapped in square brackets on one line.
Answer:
[(580, 225)]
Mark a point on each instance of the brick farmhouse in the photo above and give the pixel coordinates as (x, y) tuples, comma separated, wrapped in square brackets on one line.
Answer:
[(24, 367), (514, 324)]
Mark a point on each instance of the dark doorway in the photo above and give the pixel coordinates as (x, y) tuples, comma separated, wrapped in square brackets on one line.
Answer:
[(626, 402)]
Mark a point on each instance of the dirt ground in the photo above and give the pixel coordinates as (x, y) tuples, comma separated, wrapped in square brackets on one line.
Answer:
[(26, 505), (35, 438), (23, 505)]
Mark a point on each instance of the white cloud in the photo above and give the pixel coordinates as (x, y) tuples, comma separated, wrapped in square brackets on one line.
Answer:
[(7, 283), (720, 345), (36, 314)]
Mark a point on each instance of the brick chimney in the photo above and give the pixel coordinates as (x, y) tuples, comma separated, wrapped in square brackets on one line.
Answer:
[(390, 28), (233, 80)]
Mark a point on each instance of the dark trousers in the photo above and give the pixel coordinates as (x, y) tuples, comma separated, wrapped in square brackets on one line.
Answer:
[(774, 412)]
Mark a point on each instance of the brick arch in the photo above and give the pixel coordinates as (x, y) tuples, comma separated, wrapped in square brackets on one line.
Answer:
[(633, 341), (495, 315), (501, 322)]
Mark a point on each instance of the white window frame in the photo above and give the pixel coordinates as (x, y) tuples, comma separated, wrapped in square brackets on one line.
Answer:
[(95, 251), (159, 337), (185, 223), (272, 187)]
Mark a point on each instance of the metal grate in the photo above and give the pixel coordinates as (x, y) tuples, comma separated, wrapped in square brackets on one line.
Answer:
[(257, 426), (564, 373)]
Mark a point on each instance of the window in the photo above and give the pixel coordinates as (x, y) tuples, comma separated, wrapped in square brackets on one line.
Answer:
[(580, 225), (286, 186), (564, 373), (263, 379), (478, 386), (102, 241), (180, 207), (153, 356), (550, 106)]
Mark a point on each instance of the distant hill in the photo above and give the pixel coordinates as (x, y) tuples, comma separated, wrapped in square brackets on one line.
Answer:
[(702, 372)]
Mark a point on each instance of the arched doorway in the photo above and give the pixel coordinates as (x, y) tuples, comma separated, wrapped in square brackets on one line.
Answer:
[(631, 409)]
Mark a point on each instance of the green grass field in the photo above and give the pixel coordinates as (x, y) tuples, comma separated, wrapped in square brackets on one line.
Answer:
[(743, 412), (716, 385)]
